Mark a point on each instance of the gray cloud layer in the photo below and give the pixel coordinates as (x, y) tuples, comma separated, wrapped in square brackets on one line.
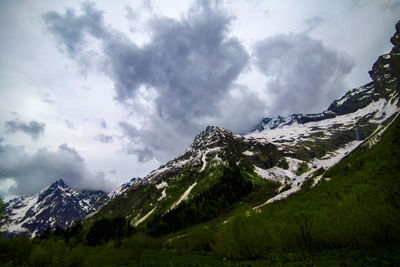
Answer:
[(189, 65), (33, 128), (183, 78), (301, 71), (33, 172)]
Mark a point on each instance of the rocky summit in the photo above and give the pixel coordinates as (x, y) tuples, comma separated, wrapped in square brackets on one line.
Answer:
[(55, 205)]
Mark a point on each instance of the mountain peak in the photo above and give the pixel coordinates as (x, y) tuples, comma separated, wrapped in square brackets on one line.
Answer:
[(59, 182), (211, 136), (57, 204), (211, 128)]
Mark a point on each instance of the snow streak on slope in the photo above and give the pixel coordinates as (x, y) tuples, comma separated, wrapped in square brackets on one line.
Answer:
[(183, 197), (144, 217)]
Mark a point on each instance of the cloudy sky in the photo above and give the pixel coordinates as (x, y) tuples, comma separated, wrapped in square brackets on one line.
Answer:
[(99, 92)]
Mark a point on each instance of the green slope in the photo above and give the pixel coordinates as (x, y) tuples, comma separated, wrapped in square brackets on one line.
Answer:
[(356, 206)]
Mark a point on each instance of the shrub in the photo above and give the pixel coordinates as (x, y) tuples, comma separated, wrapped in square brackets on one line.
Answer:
[(302, 168)]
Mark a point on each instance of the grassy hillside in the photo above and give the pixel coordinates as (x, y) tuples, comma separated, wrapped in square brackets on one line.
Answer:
[(351, 217), (356, 206)]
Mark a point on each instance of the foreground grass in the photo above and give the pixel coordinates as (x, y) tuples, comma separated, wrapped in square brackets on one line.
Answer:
[(108, 255), (343, 257)]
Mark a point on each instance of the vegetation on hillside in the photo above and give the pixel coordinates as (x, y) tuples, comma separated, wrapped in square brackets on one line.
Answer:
[(352, 216)]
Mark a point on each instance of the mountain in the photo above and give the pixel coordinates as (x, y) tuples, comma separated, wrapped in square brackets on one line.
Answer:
[(55, 205), (383, 85), (118, 191), (276, 159)]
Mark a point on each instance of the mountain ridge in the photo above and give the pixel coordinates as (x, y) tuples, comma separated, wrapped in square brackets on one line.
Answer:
[(55, 205)]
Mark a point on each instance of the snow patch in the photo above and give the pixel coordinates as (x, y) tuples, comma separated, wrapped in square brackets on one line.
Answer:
[(163, 195), (183, 197), (144, 217), (248, 153), (161, 185), (334, 157), (204, 156)]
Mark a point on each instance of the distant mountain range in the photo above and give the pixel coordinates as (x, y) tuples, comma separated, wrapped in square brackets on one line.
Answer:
[(55, 205), (222, 168)]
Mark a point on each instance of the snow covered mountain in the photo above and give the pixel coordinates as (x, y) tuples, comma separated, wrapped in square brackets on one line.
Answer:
[(55, 205), (285, 150), (118, 191)]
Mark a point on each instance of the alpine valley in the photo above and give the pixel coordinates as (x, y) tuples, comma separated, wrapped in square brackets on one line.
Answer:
[(299, 185)]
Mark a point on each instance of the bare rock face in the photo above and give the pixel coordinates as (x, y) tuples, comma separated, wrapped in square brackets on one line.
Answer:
[(395, 53)]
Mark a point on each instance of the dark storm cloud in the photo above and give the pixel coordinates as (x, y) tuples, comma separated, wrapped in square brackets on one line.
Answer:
[(303, 75), (33, 172), (190, 63), (33, 128), (70, 29), (104, 138)]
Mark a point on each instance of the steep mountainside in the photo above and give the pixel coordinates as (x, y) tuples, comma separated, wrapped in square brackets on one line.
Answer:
[(116, 192), (267, 164), (56, 205)]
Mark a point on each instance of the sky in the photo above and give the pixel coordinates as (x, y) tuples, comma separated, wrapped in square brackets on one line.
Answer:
[(96, 93)]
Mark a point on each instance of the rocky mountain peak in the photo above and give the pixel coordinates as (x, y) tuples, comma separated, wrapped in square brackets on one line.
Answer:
[(211, 137), (59, 183), (55, 205), (395, 53)]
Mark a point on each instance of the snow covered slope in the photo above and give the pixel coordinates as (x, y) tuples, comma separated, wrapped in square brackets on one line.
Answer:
[(118, 191), (56, 205)]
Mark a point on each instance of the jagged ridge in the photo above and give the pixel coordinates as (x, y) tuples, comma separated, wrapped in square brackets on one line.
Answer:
[(56, 205)]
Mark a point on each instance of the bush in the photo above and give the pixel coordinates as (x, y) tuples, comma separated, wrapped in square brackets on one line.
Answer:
[(283, 164), (302, 168), (50, 252), (245, 237), (140, 241), (17, 250), (106, 229)]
